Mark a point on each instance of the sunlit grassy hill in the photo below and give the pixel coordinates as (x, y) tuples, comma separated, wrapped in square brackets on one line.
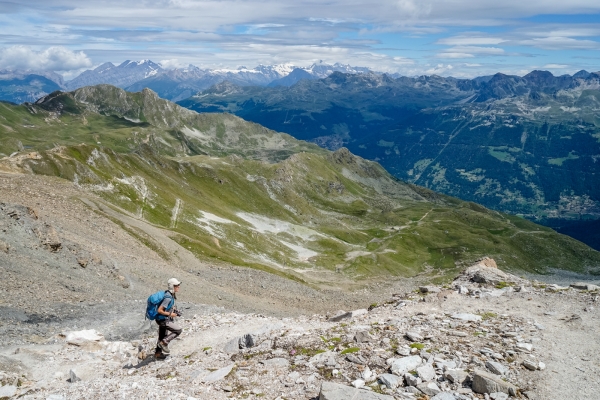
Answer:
[(234, 192)]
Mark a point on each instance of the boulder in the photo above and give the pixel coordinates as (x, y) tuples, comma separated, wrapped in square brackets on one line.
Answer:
[(247, 341), (336, 391), (484, 382)]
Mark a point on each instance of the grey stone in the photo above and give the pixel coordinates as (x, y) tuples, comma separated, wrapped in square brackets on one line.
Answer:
[(524, 346), (530, 365), (467, 317), (358, 383), (276, 362), (322, 358), (584, 286), (414, 337), (413, 390), (73, 377), (429, 289), (7, 391), (390, 380), (498, 396), (429, 388), (457, 376), (444, 396), (457, 333), (233, 346), (56, 397), (348, 315), (496, 367), (247, 341), (484, 382), (411, 380), (363, 337), (336, 391), (218, 374), (403, 351), (426, 372), (354, 359), (405, 364)]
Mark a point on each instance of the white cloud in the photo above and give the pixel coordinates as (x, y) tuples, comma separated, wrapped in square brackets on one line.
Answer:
[(560, 43), (555, 66), (50, 59)]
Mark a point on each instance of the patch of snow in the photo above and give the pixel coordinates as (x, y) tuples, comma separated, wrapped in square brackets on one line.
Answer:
[(268, 225), (303, 253)]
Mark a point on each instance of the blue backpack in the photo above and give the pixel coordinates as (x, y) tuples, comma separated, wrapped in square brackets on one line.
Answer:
[(154, 301)]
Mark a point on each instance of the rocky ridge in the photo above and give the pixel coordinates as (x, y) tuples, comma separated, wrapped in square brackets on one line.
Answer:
[(487, 335)]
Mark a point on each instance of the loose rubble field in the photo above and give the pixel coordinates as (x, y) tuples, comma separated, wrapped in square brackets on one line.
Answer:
[(487, 335)]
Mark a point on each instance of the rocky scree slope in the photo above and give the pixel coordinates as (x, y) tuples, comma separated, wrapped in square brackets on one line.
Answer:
[(487, 335)]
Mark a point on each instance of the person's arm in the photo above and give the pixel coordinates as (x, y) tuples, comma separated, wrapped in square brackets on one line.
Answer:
[(162, 311)]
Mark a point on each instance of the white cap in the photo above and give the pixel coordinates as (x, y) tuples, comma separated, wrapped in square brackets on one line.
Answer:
[(173, 282)]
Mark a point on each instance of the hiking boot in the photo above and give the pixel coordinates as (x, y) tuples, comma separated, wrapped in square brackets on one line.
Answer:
[(164, 347), (159, 355)]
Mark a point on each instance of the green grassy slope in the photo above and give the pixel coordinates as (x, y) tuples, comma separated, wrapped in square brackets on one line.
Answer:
[(306, 216)]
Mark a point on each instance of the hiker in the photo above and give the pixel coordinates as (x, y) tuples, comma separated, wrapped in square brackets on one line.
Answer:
[(165, 319)]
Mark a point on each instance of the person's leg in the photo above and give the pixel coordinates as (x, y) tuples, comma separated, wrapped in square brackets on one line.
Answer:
[(173, 330), (162, 331)]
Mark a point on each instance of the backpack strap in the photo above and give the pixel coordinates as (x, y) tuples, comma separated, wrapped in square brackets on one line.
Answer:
[(161, 317)]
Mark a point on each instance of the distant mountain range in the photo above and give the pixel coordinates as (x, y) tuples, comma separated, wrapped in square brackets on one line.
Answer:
[(172, 84), (526, 145)]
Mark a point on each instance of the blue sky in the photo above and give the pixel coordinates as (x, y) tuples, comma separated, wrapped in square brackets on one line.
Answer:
[(462, 38)]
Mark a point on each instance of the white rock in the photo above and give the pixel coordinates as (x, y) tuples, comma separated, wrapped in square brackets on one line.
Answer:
[(525, 346), (405, 364), (78, 338), (358, 383), (467, 317), (426, 372), (218, 374), (7, 391)]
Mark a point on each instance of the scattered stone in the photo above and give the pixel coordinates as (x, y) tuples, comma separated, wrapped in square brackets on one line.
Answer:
[(276, 362), (498, 396), (73, 377), (411, 380), (496, 368), (530, 365), (218, 374), (7, 391), (358, 383), (484, 382), (524, 346), (348, 315), (457, 376), (426, 372), (390, 380), (444, 396), (80, 338), (414, 337), (429, 388), (402, 365), (336, 391), (247, 341), (363, 337), (467, 317)]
